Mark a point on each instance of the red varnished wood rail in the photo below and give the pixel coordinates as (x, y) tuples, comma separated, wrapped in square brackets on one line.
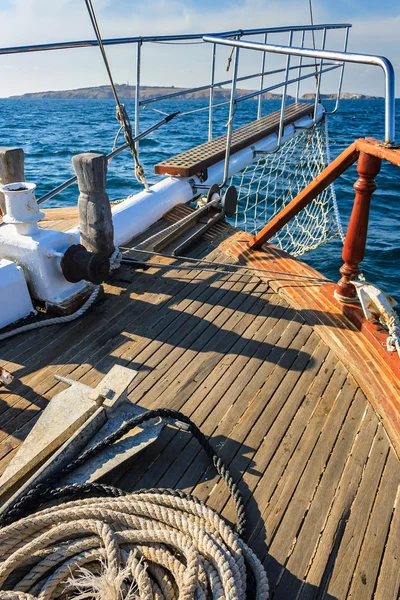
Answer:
[(354, 340), (307, 195), (370, 153), (376, 148), (368, 167)]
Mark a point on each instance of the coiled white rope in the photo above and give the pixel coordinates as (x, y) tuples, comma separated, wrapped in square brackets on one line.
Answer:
[(393, 340), (54, 320), (145, 546)]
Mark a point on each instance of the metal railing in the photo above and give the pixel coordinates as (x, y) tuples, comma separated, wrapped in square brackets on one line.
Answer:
[(343, 57), (216, 39)]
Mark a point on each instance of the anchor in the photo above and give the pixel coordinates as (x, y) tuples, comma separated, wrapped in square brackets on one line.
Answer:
[(76, 419)]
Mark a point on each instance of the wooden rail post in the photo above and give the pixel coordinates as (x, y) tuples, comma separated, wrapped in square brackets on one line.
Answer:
[(368, 167), (95, 219), (11, 169)]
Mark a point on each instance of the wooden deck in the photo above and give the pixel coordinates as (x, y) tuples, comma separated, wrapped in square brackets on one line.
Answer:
[(265, 381)]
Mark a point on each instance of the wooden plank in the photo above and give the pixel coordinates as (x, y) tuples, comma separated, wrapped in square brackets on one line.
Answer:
[(173, 357), (65, 213), (277, 463), (279, 492), (375, 370), (335, 521), (251, 432), (376, 148), (367, 569), (255, 374), (309, 193), (338, 580), (63, 339), (223, 289), (262, 407), (307, 538), (201, 157), (98, 345), (388, 585), (213, 404), (209, 396), (284, 519)]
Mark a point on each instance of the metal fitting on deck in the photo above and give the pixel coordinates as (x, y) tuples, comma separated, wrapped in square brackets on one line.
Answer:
[(79, 264)]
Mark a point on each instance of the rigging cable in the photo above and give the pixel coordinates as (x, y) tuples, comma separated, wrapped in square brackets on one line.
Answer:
[(121, 113), (313, 38)]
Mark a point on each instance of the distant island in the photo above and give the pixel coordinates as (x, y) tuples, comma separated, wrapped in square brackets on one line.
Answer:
[(125, 91)]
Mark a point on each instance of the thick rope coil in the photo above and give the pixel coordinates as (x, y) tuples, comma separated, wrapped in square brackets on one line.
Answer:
[(393, 340), (144, 546), (161, 544), (54, 320)]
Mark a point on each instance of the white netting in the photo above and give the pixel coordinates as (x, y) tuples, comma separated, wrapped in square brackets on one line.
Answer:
[(269, 184)]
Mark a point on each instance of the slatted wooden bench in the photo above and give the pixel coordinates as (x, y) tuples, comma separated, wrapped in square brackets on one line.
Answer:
[(201, 157)]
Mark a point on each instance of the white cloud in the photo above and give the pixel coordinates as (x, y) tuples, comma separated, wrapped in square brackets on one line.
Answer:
[(41, 21)]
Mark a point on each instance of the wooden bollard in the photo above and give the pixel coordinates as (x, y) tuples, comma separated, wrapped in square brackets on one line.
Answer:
[(95, 219), (368, 168), (11, 169)]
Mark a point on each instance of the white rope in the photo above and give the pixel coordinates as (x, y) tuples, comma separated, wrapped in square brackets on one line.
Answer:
[(147, 546), (115, 259), (55, 320), (376, 304), (393, 340)]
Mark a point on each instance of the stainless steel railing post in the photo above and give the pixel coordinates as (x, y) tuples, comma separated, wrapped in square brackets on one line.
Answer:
[(300, 67), (211, 95), (259, 110), (232, 109), (137, 94)]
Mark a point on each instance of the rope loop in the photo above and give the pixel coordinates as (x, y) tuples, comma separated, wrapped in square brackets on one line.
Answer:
[(139, 546)]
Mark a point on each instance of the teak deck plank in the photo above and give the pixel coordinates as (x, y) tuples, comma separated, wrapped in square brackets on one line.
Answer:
[(388, 584), (216, 393), (306, 538), (346, 558), (329, 540), (283, 489), (367, 569), (248, 433), (236, 424), (201, 403), (255, 362)]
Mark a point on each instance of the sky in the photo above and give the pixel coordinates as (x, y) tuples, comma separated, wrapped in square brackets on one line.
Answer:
[(376, 26)]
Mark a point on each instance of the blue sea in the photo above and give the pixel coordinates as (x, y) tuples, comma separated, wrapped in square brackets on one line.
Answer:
[(52, 131)]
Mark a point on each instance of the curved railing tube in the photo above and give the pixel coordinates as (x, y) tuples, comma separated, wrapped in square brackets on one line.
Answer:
[(346, 57)]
